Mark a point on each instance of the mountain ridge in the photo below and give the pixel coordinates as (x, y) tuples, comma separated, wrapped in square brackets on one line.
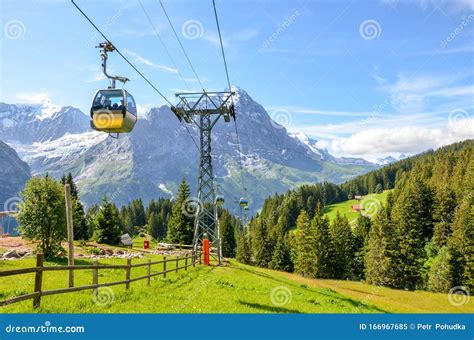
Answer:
[(143, 164)]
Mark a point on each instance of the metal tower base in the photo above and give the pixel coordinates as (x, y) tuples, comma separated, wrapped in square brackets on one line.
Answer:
[(207, 107)]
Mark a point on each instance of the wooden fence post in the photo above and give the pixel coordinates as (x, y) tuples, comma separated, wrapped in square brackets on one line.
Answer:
[(177, 263), (149, 272), (128, 270), (70, 232), (164, 267), (38, 280), (186, 262), (95, 276)]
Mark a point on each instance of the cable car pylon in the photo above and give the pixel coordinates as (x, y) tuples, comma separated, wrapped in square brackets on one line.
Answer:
[(205, 109)]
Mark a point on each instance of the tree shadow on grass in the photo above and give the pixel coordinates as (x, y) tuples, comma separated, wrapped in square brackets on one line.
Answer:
[(271, 309), (321, 291), (327, 209)]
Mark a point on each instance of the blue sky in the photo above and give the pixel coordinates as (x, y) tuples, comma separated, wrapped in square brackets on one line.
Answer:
[(365, 78)]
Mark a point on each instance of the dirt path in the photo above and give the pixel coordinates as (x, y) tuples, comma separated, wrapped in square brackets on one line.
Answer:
[(17, 243)]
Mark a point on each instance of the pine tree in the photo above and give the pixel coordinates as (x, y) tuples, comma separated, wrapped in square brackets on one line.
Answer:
[(461, 243), (243, 249), (262, 247), (440, 275), (343, 242), (138, 213), (361, 240), (68, 179), (305, 263), (323, 246), (180, 227), (281, 259), (379, 265), (378, 188), (412, 217), (107, 223), (80, 227), (227, 232), (127, 220), (156, 226), (443, 212), (91, 219)]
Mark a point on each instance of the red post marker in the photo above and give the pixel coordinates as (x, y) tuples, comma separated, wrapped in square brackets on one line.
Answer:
[(146, 244), (206, 251)]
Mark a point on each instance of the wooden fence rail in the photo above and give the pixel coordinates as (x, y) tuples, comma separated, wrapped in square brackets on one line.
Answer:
[(40, 269)]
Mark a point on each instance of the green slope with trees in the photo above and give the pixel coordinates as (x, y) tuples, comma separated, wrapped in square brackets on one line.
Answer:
[(421, 236)]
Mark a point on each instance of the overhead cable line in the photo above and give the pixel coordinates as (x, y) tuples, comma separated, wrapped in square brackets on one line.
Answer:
[(131, 64), (157, 34), (120, 53), (239, 148), (222, 45), (180, 44)]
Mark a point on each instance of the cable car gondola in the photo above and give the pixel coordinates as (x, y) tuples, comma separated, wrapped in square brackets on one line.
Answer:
[(243, 202), (113, 110), (220, 200)]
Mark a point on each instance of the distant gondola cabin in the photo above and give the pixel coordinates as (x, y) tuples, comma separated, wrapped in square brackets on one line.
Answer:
[(243, 202), (220, 200)]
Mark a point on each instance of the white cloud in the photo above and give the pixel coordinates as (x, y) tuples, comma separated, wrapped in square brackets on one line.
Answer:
[(142, 60), (405, 139), (99, 76), (32, 97), (414, 93)]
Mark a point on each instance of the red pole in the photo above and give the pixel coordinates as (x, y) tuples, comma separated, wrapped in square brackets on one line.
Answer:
[(206, 251)]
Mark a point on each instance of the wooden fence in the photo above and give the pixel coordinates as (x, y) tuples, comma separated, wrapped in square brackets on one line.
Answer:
[(40, 269)]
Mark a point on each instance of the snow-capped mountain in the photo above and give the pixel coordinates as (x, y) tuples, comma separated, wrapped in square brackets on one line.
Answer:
[(388, 160), (152, 160), (43, 122)]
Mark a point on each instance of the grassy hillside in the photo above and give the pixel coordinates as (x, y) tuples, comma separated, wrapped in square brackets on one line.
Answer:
[(345, 208), (234, 288)]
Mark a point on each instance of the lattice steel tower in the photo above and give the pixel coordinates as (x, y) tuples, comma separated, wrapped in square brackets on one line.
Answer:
[(204, 109)]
